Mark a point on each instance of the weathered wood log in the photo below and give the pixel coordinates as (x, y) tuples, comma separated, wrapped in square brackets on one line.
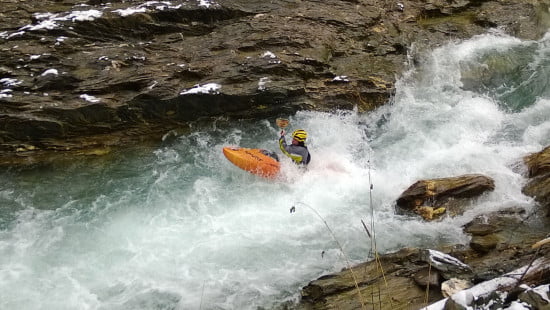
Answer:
[(533, 273)]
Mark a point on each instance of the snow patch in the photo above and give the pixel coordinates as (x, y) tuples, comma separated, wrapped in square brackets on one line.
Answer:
[(130, 11), (50, 71), (340, 78), (210, 88), (268, 54), (515, 305), (439, 260), (206, 3), (542, 291), (142, 8), (50, 21), (90, 98), (6, 93), (10, 82), (262, 82), (271, 56), (15, 34), (81, 16)]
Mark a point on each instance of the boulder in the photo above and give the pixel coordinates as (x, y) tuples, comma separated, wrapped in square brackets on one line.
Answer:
[(428, 197), (538, 166), (485, 243)]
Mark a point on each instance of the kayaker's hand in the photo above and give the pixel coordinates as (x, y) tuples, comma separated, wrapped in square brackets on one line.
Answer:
[(283, 133)]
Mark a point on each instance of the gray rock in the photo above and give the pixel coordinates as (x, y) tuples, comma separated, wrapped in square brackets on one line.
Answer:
[(139, 66), (484, 243), (537, 298)]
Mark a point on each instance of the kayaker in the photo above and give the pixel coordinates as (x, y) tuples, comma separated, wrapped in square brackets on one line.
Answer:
[(297, 151)]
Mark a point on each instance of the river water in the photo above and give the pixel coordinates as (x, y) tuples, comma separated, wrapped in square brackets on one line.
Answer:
[(176, 226)]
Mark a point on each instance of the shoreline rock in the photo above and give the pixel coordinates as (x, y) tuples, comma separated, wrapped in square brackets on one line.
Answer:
[(398, 285), (432, 198), (80, 70), (501, 242)]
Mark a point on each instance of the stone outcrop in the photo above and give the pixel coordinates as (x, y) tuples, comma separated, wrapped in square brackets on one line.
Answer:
[(501, 242), (92, 74), (538, 165), (415, 278), (430, 198), (390, 280)]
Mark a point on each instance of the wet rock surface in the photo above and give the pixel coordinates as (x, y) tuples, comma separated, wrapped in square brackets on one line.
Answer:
[(79, 77), (415, 278), (538, 165), (74, 72), (507, 244), (432, 198)]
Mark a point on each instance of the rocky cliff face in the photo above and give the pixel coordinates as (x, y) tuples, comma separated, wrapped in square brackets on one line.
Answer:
[(81, 76)]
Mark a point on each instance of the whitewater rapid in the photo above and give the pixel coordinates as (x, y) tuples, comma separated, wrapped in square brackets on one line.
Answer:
[(177, 226)]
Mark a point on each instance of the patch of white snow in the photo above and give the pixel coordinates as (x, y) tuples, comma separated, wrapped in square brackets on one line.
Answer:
[(10, 82), (81, 16), (262, 82), (90, 98), (439, 259), (340, 78), (15, 34), (268, 54), (204, 89), (205, 3), (542, 291), (515, 305), (6, 93), (130, 11), (50, 71), (49, 20)]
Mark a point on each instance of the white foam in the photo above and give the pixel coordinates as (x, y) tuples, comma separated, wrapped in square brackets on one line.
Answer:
[(182, 227)]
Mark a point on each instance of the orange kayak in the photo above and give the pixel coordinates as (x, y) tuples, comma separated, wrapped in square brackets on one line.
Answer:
[(257, 161)]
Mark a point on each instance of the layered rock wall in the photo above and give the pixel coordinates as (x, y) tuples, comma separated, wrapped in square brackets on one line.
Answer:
[(76, 73)]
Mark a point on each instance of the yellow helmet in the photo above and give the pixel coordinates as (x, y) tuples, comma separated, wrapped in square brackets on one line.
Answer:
[(299, 135)]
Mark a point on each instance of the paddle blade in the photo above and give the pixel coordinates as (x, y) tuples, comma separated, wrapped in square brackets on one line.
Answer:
[(282, 122)]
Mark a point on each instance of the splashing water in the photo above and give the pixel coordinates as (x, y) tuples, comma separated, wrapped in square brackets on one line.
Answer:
[(178, 226)]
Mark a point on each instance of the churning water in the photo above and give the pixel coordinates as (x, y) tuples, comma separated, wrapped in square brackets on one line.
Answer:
[(179, 227)]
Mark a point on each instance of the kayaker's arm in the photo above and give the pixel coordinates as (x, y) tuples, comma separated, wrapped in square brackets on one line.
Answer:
[(285, 149)]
